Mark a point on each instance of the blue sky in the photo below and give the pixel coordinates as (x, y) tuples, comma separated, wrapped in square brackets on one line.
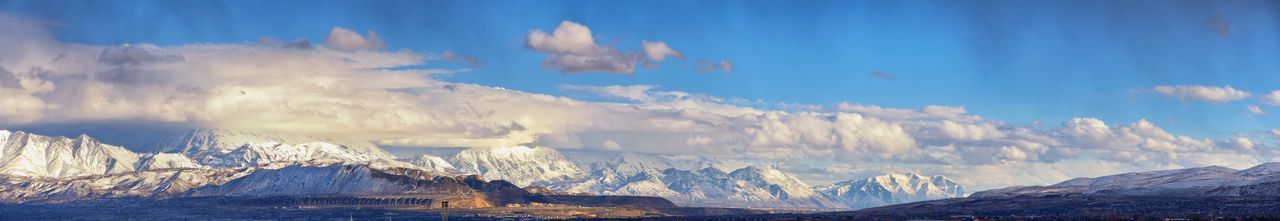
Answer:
[(1018, 61), (1088, 71)]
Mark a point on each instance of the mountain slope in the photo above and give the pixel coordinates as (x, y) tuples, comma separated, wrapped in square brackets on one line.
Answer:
[(757, 187), (25, 154), (518, 164), (891, 189), (1199, 181), (434, 164), (206, 141)]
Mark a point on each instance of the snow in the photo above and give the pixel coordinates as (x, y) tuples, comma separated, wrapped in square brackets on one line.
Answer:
[(201, 141), (166, 161), (520, 165), (34, 155), (891, 189), (1212, 180), (434, 164)]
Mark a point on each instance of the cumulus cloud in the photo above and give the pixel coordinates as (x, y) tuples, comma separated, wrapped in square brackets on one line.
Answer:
[(346, 40), (571, 48), (658, 50), (1210, 94), (1272, 98)]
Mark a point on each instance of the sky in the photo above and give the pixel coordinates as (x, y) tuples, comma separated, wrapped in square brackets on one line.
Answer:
[(991, 93)]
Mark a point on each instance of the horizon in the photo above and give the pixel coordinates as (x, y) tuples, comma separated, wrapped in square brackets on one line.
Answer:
[(988, 93)]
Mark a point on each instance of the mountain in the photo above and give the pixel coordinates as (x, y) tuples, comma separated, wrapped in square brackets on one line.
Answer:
[(610, 170), (891, 189), (332, 179), (520, 165), (25, 154), (231, 148), (165, 161), (199, 141), (1199, 181), (434, 163), (152, 183), (752, 186), (250, 155)]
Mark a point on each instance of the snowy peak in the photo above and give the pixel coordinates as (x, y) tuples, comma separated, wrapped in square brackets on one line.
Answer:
[(25, 154), (520, 165), (891, 189), (251, 155), (201, 141), (433, 164), (782, 185)]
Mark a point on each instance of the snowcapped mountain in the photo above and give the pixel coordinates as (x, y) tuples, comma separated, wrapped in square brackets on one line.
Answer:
[(752, 186), (153, 183), (1198, 181), (251, 155), (165, 161), (230, 148), (520, 165), (434, 163), (25, 154), (338, 179), (200, 141), (891, 189)]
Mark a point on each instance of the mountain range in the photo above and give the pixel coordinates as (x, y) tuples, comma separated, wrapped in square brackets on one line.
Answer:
[(213, 162)]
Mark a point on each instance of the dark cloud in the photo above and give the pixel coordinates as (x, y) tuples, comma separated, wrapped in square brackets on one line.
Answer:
[(883, 75), (300, 44), (131, 76), (706, 66), (8, 80), (134, 55), (1219, 25), (450, 56)]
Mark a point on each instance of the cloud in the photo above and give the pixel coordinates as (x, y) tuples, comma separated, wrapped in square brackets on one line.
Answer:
[(883, 75), (135, 55), (451, 56), (1219, 25), (658, 50), (706, 66), (1275, 132), (1210, 94), (1255, 110), (346, 40), (1272, 99), (572, 49), (9, 80)]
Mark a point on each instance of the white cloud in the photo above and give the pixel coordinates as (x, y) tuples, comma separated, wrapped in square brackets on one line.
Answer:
[(1210, 94), (1275, 132), (346, 40), (571, 48), (658, 50), (1272, 98), (1255, 110)]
